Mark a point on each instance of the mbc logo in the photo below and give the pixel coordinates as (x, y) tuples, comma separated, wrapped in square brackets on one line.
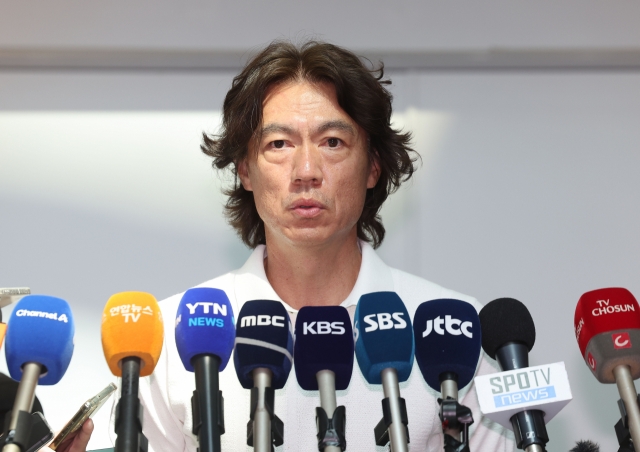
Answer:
[(262, 320), (384, 321), (452, 326)]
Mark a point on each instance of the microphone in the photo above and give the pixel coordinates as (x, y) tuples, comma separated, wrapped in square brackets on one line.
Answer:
[(385, 350), (204, 338), (585, 446), (323, 356), (508, 334), (12, 295), (607, 327), (8, 296), (132, 335), (448, 339), (3, 329), (262, 358), (39, 346)]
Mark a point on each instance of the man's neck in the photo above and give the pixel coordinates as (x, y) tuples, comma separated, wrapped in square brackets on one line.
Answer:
[(321, 275)]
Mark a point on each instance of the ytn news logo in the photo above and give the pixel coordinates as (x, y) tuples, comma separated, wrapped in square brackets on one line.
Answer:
[(452, 326)]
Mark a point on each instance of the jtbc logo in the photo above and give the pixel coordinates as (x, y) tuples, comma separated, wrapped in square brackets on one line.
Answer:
[(262, 320), (323, 328), (452, 326), (384, 321)]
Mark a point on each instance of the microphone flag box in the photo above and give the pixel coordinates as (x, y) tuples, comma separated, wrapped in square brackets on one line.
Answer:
[(545, 388)]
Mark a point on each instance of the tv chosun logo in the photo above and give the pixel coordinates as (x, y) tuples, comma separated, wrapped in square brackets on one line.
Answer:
[(621, 340), (591, 361)]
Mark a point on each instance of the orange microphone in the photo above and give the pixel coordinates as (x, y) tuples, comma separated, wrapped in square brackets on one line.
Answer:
[(132, 335)]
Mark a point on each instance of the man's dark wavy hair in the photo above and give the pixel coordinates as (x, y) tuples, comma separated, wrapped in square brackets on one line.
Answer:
[(361, 94)]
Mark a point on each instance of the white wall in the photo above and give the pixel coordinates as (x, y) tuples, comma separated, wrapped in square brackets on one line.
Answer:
[(378, 25)]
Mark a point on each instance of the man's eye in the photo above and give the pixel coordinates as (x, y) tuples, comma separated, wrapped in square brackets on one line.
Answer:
[(278, 144), (333, 142)]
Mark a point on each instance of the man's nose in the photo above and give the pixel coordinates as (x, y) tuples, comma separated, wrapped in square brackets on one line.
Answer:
[(307, 166)]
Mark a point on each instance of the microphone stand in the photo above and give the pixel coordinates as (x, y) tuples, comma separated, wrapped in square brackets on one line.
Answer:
[(128, 423), (455, 418), (331, 430), (208, 418), (393, 426), (19, 428), (264, 430)]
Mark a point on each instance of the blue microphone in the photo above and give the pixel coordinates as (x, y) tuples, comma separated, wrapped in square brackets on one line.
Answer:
[(262, 358), (385, 350), (205, 333), (448, 346), (38, 346), (323, 356)]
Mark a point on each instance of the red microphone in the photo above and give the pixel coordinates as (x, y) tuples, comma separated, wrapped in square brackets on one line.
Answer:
[(607, 326)]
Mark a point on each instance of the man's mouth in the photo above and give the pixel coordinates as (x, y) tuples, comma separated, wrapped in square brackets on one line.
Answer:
[(307, 208)]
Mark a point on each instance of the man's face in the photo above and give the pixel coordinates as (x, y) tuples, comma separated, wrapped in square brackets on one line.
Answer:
[(310, 170)]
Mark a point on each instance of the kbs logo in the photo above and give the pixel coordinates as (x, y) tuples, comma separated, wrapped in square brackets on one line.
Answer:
[(323, 328), (215, 308), (452, 326), (262, 320), (591, 361), (384, 321), (621, 340)]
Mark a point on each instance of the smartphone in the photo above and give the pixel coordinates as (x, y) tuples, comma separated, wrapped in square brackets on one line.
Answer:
[(41, 433), (87, 410)]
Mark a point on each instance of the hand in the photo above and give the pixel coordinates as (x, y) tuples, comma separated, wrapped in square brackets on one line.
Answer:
[(78, 442)]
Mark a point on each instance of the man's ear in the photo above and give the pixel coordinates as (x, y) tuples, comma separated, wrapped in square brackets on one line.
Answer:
[(243, 174), (374, 170)]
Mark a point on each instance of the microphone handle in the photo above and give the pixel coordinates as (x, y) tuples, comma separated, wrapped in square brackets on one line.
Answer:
[(128, 422), (629, 396), (262, 418), (391, 389), (327, 387), (449, 388), (24, 398), (207, 370)]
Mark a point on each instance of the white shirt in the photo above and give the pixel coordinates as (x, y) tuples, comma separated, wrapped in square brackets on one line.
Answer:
[(166, 394)]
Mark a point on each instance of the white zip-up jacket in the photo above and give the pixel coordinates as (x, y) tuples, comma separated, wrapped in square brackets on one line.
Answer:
[(166, 394)]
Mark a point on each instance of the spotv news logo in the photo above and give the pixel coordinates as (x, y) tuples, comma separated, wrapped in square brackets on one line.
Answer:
[(452, 326)]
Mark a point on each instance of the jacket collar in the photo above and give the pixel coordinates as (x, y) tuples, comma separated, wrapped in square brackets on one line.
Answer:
[(251, 281)]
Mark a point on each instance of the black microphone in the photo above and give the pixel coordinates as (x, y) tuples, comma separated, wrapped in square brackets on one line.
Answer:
[(262, 358), (323, 356), (448, 338), (585, 446), (508, 334)]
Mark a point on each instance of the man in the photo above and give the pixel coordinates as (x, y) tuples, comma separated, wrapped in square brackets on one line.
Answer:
[(306, 132)]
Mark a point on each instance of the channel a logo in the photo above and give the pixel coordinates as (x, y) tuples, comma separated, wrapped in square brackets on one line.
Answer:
[(452, 326), (621, 340)]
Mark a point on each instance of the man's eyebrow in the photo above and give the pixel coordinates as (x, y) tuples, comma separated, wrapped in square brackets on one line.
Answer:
[(336, 124), (276, 128)]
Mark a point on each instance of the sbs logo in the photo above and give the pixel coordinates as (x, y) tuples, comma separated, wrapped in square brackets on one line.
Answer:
[(452, 326), (384, 321)]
